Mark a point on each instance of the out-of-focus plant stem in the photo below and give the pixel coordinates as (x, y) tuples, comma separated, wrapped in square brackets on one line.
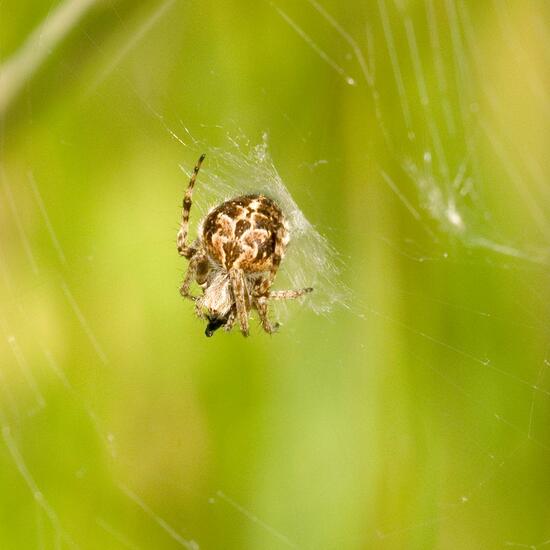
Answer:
[(22, 65)]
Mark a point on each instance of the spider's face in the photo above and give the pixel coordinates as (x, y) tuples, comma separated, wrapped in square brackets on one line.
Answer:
[(216, 302)]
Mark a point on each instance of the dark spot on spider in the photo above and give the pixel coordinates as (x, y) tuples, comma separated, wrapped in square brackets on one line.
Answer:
[(210, 224), (268, 209), (261, 222), (232, 251), (231, 209), (241, 227), (202, 271), (267, 248)]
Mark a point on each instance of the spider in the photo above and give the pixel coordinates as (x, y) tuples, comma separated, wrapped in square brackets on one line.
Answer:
[(234, 260)]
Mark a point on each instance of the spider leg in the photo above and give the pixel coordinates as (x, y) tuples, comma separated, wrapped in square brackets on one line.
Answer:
[(198, 310), (240, 295), (261, 304), (183, 248), (230, 320), (189, 277), (289, 294)]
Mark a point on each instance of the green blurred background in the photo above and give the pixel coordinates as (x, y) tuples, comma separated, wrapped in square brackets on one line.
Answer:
[(415, 137)]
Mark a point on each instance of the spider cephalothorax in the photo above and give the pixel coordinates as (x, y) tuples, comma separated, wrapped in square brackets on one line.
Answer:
[(234, 259)]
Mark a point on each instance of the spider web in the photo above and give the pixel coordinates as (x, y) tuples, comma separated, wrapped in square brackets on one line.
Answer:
[(239, 167), (432, 433)]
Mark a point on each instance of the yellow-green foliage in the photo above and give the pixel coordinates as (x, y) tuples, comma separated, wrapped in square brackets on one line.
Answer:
[(414, 137)]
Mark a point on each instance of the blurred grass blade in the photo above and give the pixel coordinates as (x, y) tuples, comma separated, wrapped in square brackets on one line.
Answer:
[(17, 70)]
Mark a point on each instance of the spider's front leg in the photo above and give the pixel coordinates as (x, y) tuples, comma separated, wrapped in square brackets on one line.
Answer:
[(183, 248), (240, 295), (196, 266)]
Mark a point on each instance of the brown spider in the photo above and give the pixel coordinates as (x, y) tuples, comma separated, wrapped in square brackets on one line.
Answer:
[(234, 259)]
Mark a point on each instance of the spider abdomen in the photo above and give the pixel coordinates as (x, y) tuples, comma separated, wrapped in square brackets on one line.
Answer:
[(247, 232)]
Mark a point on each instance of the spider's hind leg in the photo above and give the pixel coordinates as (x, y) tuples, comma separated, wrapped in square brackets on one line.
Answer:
[(263, 301), (289, 294), (261, 304)]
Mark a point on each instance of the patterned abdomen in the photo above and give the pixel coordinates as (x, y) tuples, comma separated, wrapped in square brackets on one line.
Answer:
[(246, 233)]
